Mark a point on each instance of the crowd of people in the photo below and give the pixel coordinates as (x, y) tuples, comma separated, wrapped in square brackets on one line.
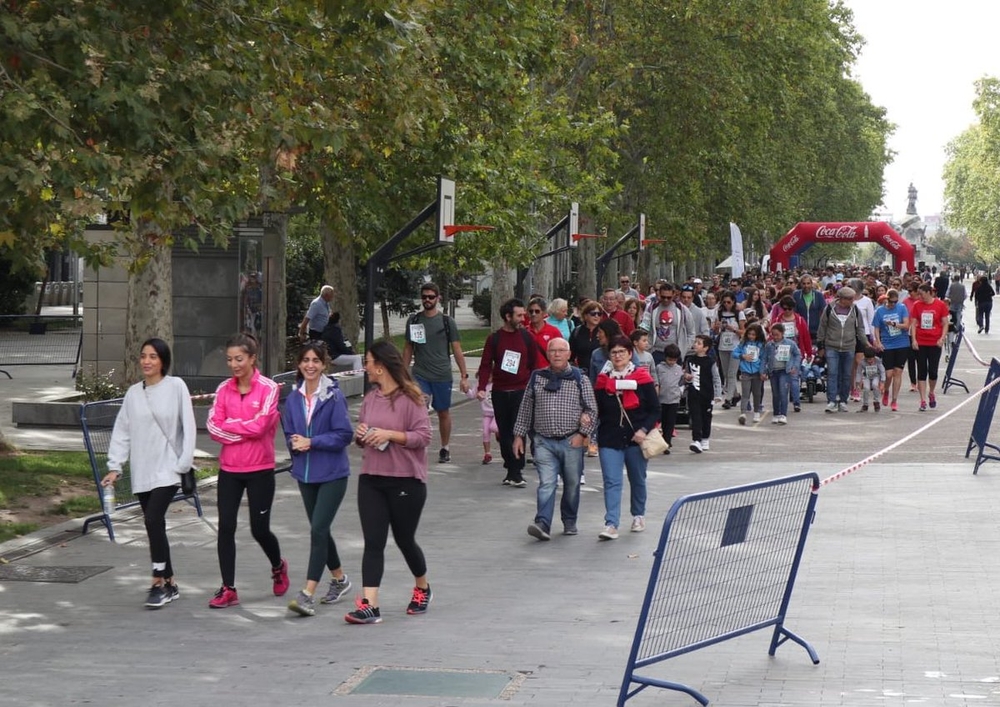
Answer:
[(608, 378)]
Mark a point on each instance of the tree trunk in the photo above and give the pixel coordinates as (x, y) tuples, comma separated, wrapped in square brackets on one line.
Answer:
[(340, 270), (276, 312), (150, 296), (386, 333), (502, 290)]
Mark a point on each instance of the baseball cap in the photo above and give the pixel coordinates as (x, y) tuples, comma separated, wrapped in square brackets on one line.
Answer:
[(697, 281)]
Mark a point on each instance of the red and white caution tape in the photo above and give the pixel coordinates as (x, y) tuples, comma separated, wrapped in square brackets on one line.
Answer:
[(339, 374), (867, 460), (972, 350)]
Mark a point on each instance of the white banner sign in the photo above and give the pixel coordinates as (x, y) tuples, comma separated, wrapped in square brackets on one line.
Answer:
[(737, 239)]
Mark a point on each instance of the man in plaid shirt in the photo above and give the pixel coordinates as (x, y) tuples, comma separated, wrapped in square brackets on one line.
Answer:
[(559, 411)]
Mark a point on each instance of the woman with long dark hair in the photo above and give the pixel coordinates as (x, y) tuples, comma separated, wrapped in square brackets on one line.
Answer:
[(394, 432), (318, 432), (154, 431), (242, 419)]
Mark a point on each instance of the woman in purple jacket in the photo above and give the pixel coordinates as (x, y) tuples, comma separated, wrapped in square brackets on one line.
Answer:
[(318, 432), (394, 432)]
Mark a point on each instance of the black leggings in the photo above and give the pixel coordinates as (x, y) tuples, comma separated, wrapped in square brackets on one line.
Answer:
[(928, 358), (154, 512), (385, 501), (259, 486), (321, 502)]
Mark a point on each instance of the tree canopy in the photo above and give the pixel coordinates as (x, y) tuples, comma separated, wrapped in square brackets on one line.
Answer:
[(696, 112)]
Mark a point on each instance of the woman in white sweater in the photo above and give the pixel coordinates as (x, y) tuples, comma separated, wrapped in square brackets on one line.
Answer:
[(155, 432)]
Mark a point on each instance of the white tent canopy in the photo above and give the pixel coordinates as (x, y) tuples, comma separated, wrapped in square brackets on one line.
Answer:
[(726, 264)]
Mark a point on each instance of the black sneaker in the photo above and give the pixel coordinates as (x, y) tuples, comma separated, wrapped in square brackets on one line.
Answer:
[(365, 613), (172, 592), (157, 597), (444, 456), (421, 598), (518, 482)]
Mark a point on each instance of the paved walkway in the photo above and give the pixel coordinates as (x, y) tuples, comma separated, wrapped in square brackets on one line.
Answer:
[(895, 591)]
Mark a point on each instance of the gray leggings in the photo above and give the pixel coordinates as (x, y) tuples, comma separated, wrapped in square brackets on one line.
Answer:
[(752, 385), (728, 366)]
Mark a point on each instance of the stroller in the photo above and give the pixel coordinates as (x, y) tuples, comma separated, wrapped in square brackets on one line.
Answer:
[(813, 376)]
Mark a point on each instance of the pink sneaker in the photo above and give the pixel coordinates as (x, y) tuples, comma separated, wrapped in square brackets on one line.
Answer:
[(223, 598), (280, 577), (894, 406)]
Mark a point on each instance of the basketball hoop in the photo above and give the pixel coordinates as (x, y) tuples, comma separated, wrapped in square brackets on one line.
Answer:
[(581, 236), (652, 241), (450, 231)]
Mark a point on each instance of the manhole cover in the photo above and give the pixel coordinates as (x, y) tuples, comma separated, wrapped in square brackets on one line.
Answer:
[(432, 683), (68, 575)]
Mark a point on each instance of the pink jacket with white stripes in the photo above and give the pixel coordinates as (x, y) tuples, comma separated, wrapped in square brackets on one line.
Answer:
[(244, 424)]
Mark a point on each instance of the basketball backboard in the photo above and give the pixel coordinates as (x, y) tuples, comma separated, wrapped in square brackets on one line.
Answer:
[(574, 223), (446, 209)]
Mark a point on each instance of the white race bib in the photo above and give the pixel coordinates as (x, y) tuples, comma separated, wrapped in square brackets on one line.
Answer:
[(511, 362), (728, 341), (790, 331), (418, 335), (752, 353), (783, 353), (927, 320)]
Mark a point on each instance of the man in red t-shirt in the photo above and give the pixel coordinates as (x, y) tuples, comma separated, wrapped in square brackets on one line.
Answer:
[(609, 300), (928, 328), (541, 329)]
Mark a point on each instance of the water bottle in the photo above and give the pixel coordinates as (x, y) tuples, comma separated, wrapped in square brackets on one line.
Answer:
[(109, 499)]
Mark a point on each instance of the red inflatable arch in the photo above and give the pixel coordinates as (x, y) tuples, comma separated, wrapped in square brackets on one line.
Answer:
[(805, 235)]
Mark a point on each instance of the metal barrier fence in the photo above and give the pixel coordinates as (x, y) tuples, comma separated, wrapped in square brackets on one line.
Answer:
[(949, 377), (37, 341), (287, 382), (98, 420), (725, 566)]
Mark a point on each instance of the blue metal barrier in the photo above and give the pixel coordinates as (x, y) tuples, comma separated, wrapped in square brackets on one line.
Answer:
[(98, 420), (949, 379), (725, 566)]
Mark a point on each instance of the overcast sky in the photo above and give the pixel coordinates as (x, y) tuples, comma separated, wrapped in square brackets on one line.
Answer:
[(920, 61)]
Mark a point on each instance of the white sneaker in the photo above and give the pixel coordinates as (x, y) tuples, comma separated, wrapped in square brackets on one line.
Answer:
[(704, 445), (638, 524), (695, 447), (831, 407), (782, 420), (842, 407), (774, 419), (743, 418), (610, 532), (583, 480), (756, 417)]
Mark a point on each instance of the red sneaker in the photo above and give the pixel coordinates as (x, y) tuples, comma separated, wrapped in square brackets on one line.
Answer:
[(226, 596), (487, 458), (885, 398), (280, 577)]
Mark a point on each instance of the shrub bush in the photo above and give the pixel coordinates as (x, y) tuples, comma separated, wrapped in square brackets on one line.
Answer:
[(482, 303)]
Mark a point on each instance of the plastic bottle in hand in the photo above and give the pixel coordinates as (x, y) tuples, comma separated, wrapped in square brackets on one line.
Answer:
[(109, 499)]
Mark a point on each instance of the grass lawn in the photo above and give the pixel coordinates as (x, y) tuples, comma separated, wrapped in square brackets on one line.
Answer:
[(31, 484), (473, 340), (38, 489)]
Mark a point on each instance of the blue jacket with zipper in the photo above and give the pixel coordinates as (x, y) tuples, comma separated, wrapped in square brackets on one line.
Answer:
[(329, 430)]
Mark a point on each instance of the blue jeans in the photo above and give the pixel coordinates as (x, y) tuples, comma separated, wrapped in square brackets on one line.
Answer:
[(613, 462), (779, 391), (838, 364), (555, 458)]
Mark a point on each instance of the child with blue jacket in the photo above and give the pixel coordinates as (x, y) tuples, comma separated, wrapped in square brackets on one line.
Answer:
[(782, 360), (750, 353), (318, 432)]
